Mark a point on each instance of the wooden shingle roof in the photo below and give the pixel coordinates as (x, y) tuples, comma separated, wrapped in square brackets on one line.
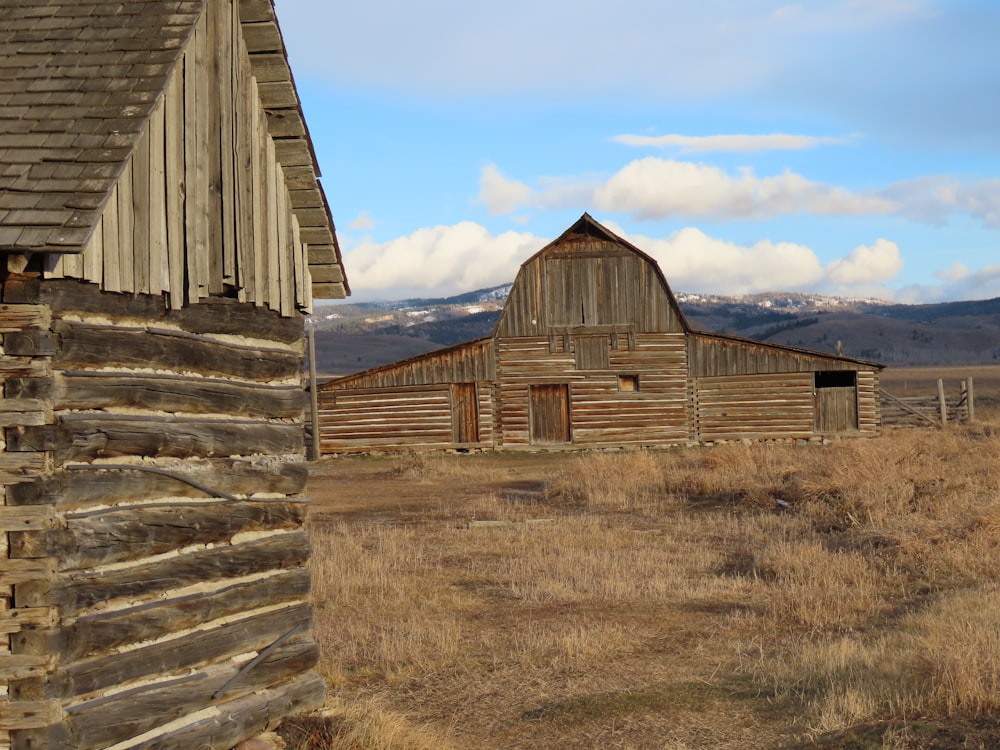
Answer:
[(78, 81)]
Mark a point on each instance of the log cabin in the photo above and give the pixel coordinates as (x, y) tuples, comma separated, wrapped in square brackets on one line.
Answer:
[(591, 350), (163, 232)]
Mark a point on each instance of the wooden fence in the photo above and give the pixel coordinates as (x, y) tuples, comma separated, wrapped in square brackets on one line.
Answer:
[(927, 410)]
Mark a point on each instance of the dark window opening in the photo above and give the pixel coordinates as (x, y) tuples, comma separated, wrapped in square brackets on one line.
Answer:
[(836, 379)]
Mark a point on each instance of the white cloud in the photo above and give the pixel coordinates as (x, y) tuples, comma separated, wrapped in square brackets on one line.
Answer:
[(693, 144), (447, 260), (654, 188), (935, 198), (867, 264), (694, 261), (362, 222), (981, 284), (957, 272), (499, 194), (437, 261)]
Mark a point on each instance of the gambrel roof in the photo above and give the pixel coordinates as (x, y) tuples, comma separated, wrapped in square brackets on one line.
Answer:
[(78, 82)]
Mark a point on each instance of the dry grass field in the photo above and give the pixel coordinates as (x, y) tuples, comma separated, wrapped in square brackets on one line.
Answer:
[(742, 596)]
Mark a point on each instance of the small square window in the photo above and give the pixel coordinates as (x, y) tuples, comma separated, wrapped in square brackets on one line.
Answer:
[(628, 383)]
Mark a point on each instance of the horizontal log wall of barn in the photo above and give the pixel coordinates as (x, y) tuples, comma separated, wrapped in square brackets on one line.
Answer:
[(407, 417), (601, 414), (759, 406)]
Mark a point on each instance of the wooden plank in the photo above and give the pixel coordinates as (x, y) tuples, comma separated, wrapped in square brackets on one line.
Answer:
[(239, 637), (257, 290), (24, 412), (27, 518), (20, 715), (103, 631), (92, 437), (85, 346), (25, 666), (14, 620), (142, 214), (17, 467), (245, 128), (126, 226), (147, 580), (100, 723), (19, 572), (246, 717), (91, 538), (216, 316), (272, 223), (213, 84), (105, 486), (14, 318), (286, 264), (226, 32), (159, 267), (111, 237), (196, 157), (175, 394), (175, 166)]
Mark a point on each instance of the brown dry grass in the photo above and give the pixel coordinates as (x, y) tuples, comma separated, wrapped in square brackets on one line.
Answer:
[(743, 596)]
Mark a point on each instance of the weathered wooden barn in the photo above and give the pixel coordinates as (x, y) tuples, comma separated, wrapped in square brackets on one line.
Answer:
[(592, 350), (162, 235)]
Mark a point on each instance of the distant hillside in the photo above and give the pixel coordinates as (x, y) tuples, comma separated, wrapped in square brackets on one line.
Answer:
[(353, 337)]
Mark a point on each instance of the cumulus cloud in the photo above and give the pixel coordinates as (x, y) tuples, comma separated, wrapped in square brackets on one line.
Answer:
[(437, 261), (693, 261), (867, 264), (960, 283), (653, 188), (693, 144), (933, 199), (447, 260), (499, 194), (362, 222), (956, 272)]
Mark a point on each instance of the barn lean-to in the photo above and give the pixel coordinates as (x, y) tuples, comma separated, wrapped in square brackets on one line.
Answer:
[(591, 350), (163, 233)]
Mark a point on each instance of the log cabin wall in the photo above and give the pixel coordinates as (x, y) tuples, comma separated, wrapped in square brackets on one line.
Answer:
[(161, 551), (163, 233)]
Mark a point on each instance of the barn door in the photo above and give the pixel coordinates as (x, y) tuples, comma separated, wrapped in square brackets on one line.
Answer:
[(464, 413), (836, 401), (549, 414)]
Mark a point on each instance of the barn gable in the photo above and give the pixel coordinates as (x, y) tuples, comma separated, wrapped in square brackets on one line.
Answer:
[(589, 279), (162, 234), (592, 350)]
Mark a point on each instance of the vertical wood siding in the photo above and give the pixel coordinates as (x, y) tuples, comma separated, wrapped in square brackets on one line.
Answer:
[(587, 282), (203, 207)]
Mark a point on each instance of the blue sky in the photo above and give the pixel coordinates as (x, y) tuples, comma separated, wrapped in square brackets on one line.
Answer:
[(837, 146)]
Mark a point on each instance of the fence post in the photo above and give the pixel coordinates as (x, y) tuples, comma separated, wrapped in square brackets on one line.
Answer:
[(942, 403), (972, 400), (317, 452)]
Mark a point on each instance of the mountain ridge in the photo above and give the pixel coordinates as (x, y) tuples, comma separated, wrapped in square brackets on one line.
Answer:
[(350, 336)]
